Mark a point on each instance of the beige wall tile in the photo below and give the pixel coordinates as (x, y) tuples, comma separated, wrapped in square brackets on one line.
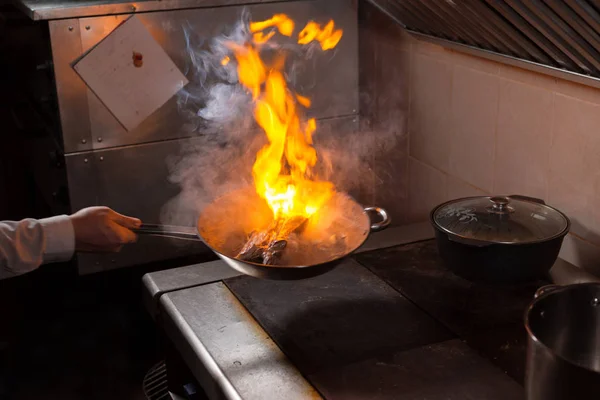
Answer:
[(574, 185), (477, 63), (525, 117), (525, 76), (391, 185), (578, 91), (474, 111), (429, 118), (390, 163), (581, 253), (427, 189), (458, 188), (455, 57), (575, 153), (577, 205), (392, 89), (427, 48)]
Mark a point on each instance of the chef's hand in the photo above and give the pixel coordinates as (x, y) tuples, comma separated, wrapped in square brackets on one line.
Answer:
[(100, 229)]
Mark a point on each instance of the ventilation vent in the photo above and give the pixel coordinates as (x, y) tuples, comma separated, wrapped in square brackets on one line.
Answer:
[(558, 37)]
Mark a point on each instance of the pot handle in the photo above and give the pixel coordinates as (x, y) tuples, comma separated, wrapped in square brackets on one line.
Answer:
[(176, 232), (545, 290), (383, 215)]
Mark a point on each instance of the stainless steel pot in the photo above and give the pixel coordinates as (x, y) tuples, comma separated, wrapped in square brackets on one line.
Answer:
[(563, 356), (224, 226)]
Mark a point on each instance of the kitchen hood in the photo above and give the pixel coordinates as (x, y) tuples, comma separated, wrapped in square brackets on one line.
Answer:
[(555, 37)]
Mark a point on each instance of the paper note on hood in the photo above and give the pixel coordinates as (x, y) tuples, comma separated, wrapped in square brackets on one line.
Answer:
[(130, 73)]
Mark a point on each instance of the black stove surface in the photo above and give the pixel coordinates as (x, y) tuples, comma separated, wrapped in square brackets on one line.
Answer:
[(488, 317), (338, 318), (399, 326)]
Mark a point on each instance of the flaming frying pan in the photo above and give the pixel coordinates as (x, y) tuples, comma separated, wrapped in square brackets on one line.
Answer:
[(339, 228), (307, 238)]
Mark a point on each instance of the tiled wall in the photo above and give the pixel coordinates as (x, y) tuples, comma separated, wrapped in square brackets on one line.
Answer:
[(384, 55), (480, 127)]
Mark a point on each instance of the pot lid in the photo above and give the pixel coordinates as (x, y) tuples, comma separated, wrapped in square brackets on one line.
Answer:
[(500, 219)]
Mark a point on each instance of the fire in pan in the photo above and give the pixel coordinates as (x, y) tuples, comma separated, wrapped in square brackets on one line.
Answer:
[(240, 228), (291, 224)]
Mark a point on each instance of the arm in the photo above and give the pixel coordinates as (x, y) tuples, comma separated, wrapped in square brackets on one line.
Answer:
[(27, 244)]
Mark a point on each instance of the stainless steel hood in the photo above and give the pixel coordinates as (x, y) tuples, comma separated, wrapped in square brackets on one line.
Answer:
[(60, 9), (556, 37)]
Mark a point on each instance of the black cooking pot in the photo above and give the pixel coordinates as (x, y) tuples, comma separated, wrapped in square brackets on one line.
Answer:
[(499, 239)]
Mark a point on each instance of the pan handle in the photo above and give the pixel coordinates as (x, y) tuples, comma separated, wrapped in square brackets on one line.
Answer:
[(176, 232), (383, 215)]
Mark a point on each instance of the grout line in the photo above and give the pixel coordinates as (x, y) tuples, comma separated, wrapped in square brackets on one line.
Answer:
[(587, 241), (452, 63), (430, 166), (451, 131), (549, 155), (449, 175), (578, 97), (408, 212), (410, 97), (495, 155)]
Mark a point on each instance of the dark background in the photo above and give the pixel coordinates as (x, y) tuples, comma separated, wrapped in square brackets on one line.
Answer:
[(62, 336)]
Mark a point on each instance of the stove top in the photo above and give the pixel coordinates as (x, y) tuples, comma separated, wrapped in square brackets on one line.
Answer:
[(391, 323), (394, 323), (342, 317), (488, 318)]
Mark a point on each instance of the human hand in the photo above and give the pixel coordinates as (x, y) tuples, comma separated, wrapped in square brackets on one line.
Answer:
[(100, 229)]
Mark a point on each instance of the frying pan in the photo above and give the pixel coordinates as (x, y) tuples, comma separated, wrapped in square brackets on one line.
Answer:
[(339, 228)]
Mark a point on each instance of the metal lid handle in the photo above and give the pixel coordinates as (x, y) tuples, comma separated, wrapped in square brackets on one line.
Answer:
[(500, 205)]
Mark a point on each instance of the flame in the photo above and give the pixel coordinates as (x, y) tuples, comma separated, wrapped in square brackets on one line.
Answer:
[(261, 38), (305, 101), (283, 23), (328, 37), (282, 171)]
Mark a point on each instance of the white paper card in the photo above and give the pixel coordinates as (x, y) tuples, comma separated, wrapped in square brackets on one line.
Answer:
[(130, 92)]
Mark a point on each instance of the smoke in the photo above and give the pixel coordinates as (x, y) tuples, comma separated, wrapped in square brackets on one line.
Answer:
[(356, 160), (218, 114), (218, 111)]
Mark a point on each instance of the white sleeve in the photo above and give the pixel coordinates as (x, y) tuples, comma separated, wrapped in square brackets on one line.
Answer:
[(26, 244)]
